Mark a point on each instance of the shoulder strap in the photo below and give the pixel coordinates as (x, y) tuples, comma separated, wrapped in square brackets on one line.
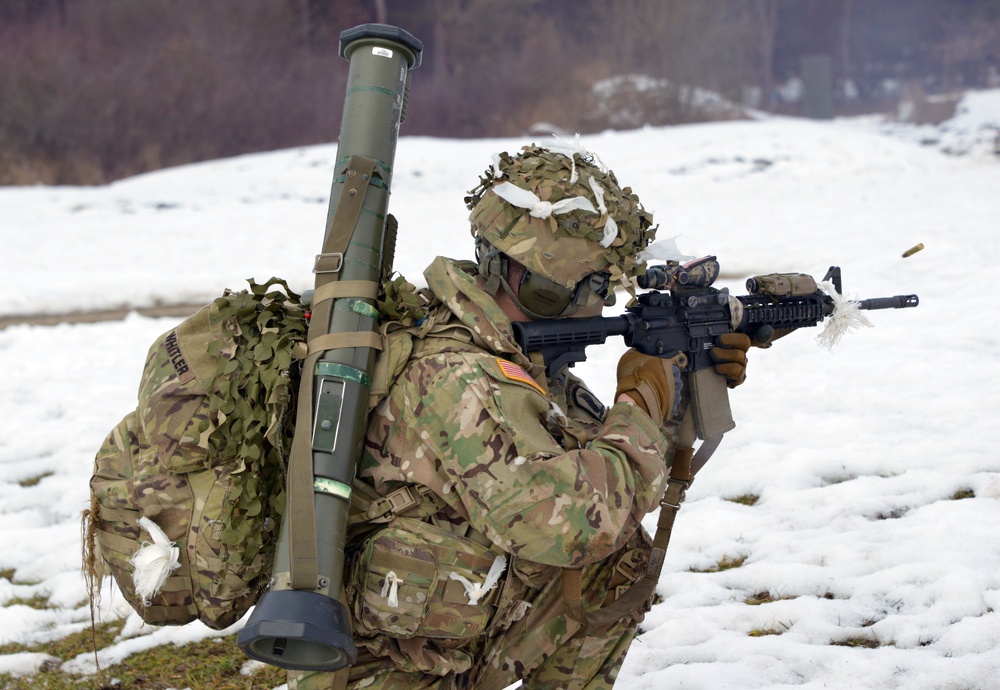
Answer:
[(300, 510)]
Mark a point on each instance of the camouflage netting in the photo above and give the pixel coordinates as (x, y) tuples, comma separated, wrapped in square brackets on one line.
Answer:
[(564, 246), (251, 417), (400, 301), (203, 456)]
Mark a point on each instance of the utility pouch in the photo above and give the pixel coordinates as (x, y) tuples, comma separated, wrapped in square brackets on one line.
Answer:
[(413, 579)]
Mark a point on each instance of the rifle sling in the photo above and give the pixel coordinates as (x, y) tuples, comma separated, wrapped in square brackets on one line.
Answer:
[(301, 509), (686, 464)]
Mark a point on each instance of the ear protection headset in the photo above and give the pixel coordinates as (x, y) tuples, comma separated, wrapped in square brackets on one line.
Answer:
[(537, 296)]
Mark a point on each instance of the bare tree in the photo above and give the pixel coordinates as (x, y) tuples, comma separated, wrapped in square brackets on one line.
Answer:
[(765, 16), (846, 20)]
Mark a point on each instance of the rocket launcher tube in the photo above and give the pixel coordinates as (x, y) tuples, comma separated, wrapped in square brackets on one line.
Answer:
[(300, 623)]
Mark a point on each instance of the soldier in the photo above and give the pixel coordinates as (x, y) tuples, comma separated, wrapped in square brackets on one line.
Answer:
[(494, 485)]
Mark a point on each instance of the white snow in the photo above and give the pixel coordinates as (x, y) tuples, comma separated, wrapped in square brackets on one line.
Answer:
[(857, 455)]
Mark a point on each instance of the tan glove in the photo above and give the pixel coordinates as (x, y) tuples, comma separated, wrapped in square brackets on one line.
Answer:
[(730, 357), (653, 383)]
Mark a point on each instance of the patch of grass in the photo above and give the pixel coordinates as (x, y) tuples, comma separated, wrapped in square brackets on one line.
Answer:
[(894, 514), (38, 601), (745, 499), (71, 646), (831, 480), (763, 598), (33, 481), (963, 493), (773, 629), (727, 563), (858, 643), (213, 663), (8, 574)]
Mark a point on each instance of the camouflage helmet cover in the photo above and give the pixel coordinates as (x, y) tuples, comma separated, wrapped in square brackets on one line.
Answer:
[(564, 244)]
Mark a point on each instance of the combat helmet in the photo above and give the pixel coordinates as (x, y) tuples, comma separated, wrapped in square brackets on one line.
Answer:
[(562, 215)]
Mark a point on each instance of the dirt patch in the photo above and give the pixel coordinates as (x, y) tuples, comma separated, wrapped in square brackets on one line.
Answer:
[(182, 310)]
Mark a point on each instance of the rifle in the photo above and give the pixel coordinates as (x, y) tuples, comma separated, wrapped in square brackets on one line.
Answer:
[(681, 316), (683, 313)]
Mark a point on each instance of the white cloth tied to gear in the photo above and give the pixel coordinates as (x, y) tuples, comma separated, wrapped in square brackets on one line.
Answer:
[(573, 149), (522, 198), (474, 591), (846, 317), (391, 588), (153, 562), (610, 226)]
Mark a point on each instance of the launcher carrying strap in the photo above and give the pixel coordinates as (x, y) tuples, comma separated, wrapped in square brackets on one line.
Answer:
[(300, 512)]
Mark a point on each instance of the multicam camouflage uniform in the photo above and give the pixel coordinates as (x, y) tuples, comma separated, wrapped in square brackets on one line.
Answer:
[(551, 481), (522, 476)]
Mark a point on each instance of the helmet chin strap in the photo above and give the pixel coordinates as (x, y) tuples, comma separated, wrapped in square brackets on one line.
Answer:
[(492, 267)]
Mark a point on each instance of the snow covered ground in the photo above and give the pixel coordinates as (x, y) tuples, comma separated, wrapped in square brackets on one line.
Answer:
[(871, 558)]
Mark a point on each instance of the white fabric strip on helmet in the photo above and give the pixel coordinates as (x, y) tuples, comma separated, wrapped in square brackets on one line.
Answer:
[(573, 149), (610, 226), (522, 198)]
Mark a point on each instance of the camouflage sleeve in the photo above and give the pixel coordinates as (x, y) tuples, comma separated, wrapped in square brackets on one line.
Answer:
[(484, 446)]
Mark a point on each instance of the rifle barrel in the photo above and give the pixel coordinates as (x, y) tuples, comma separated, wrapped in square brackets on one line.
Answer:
[(895, 302)]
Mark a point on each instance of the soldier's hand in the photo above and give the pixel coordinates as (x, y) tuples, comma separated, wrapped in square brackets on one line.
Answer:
[(730, 357), (653, 383), (765, 336)]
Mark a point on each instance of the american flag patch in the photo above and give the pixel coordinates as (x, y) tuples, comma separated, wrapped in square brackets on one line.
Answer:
[(516, 373)]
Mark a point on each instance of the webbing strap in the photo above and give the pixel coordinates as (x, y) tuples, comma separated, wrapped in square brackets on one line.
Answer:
[(166, 614), (409, 500), (121, 544), (176, 583), (352, 198), (127, 515), (345, 288), (333, 341), (705, 451), (301, 509)]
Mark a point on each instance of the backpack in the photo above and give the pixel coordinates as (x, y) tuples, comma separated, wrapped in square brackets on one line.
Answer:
[(188, 489)]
